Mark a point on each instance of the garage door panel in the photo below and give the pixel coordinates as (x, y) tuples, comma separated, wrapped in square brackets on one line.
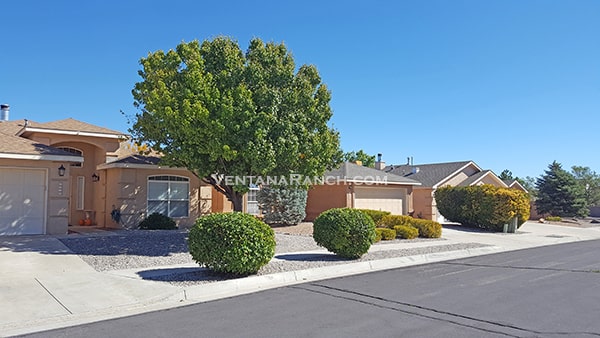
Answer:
[(22, 201), (379, 199)]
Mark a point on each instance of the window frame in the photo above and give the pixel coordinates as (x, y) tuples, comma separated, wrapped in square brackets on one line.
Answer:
[(75, 151), (168, 179)]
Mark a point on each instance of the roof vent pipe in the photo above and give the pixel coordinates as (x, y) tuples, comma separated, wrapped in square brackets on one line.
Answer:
[(4, 109), (379, 157)]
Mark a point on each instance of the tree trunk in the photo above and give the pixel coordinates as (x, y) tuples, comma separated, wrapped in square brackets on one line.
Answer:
[(237, 200)]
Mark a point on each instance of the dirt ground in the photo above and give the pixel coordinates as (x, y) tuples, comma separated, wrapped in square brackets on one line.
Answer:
[(304, 229)]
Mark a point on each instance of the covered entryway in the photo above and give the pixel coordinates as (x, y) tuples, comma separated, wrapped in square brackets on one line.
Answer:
[(379, 198), (22, 201)]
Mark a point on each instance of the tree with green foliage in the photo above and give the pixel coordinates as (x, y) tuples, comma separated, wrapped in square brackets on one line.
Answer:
[(506, 175), (589, 181), (366, 159), (559, 194), (222, 113), (529, 184)]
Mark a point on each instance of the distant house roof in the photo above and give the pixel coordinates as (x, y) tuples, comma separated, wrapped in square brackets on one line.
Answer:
[(351, 172), (475, 178), (515, 184), (428, 174), (15, 147)]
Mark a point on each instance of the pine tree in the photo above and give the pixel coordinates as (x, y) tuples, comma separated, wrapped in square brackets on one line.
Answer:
[(559, 194)]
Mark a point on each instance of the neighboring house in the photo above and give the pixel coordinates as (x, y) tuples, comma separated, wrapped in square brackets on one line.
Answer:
[(66, 172), (435, 175), (514, 184), (355, 186)]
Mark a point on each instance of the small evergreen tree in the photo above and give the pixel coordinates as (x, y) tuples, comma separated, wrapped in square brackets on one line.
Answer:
[(282, 205), (559, 194)]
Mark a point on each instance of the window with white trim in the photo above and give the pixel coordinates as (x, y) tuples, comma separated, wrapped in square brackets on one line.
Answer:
[(169, 195), (251, 201), (80, 198), (73, 151)]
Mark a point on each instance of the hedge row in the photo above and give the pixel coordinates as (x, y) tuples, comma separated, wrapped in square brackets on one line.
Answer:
[(376, 215), (427, 228), (484, 206)]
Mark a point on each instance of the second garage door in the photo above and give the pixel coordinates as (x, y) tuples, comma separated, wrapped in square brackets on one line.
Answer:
[(378, 198), (22, 201)]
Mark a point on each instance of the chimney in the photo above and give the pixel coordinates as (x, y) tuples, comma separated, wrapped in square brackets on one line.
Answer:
[(379, 165), (4, 109)]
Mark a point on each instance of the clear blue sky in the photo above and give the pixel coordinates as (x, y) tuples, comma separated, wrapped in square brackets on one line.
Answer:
[(508, 84)]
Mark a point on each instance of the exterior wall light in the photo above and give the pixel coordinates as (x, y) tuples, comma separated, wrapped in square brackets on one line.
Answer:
[(95, 177), (61, 170)]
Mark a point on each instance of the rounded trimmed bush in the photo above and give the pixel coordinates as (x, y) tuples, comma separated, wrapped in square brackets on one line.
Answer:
[(157, 221), (236, 243), (406, 231), (346, 232)]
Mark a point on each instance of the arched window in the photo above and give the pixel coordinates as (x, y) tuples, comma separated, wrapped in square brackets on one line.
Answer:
[(169, 195), (73, 151)]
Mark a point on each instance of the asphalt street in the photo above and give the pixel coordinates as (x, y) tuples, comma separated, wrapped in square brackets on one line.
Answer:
[(551, 291)]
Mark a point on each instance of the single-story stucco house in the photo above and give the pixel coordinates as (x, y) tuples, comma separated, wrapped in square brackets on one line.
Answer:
[(435, 175), (356, 186), (69, 172)]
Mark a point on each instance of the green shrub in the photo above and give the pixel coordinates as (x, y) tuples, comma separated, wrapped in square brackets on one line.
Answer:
[(346, 232), (282, 206), (377, 235), (236, 243), (385, 234), (427, 228), (554, 218), (484, 206), (376, 215), (157, 221), (406, 231), (390, 221)]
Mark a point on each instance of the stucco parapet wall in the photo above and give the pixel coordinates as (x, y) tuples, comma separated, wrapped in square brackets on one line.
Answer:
[(135, 166)]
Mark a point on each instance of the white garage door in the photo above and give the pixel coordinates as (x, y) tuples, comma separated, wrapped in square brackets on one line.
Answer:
[(22, 201), (371, 197)]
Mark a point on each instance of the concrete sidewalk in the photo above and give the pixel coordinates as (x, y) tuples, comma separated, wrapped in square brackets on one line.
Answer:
[(45, 286)]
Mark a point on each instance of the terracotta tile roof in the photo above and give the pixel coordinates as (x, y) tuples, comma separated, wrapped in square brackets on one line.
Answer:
[(75, 125), (10, 144)]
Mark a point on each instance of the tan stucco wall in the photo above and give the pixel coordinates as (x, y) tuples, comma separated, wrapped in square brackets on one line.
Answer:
[(107, 144), (220, 203), (460, 176), (57, 198), (325, 197), (488, 179), (126, 189), (93, 191), (423, 203)]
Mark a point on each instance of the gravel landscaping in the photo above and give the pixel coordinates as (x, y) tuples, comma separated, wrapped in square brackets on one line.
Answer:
[(149, 249)]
